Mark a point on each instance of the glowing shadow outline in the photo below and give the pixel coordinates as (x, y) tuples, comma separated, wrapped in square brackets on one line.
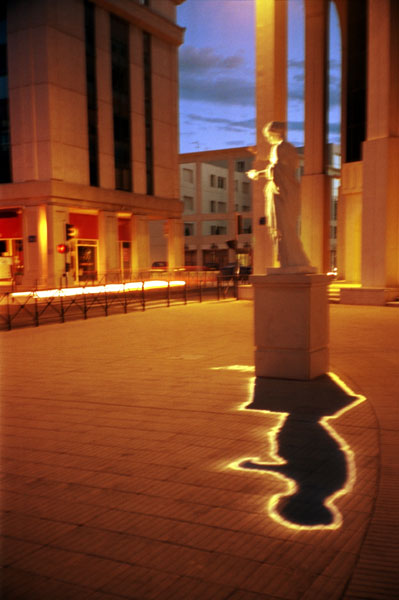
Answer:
[(292, 486)]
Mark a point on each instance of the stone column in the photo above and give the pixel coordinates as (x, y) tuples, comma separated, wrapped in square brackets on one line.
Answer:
[(140, 244), (315, 183), (380, 217), (175, 243), (35, 247), (271, 105), (57, 218), (108, 247)]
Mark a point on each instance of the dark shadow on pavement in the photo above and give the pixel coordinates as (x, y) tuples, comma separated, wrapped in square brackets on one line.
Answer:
[(311, 456)]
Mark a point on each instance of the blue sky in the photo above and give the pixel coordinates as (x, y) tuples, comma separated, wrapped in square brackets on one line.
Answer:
[(217, 74)]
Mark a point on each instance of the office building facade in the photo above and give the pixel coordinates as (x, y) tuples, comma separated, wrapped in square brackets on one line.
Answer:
[(89, 138)]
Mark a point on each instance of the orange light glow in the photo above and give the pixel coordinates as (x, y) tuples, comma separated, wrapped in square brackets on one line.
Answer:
[(100, 289), (290, 485)]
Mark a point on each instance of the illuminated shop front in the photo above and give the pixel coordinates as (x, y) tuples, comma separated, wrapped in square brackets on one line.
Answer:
[(84, 248), (11, 244)]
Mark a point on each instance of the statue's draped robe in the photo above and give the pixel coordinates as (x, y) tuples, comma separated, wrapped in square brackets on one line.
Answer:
[(287, 208)]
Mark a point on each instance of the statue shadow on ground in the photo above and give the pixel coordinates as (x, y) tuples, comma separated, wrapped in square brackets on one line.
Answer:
[(309, 455)]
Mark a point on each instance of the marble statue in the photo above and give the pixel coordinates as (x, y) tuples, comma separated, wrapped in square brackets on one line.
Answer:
[(282, 200)]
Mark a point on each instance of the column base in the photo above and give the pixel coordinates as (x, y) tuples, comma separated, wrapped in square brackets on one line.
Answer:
[(372, 296)]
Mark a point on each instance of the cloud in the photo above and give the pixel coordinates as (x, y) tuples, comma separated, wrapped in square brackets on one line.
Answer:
[(203, 60), (243, 124), (220, 90), (211, 77)]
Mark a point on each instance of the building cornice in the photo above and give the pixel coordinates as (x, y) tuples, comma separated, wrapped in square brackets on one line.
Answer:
[(145, 19), (78, 196), (204, 155)]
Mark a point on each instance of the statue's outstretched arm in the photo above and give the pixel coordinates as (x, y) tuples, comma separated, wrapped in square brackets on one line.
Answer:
[(254, 174)]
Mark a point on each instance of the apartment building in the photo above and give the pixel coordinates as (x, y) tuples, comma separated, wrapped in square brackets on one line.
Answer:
[(217, 206)]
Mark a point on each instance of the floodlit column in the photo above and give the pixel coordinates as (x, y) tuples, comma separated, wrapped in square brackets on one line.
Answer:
[(271, 105), (380, 217), (108, 246), (175, 243), (35, 247), (140, 244), (315, 184), (57, 218)]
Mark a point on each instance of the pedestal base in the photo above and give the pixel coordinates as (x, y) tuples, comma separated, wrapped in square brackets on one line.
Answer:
[(368, 296), (291, 325)]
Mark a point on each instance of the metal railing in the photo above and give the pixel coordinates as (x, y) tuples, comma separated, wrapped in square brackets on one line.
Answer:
[(37, 307)]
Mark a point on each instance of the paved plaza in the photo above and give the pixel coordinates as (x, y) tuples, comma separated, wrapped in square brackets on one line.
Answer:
[(121, 441)]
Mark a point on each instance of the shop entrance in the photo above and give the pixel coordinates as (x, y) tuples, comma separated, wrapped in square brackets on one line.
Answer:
[(86, 252)]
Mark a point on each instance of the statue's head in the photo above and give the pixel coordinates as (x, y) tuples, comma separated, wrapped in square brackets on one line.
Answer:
[(274, 132)]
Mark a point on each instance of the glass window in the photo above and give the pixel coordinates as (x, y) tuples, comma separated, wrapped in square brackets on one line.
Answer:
[(214, 227), (222, 182), (188, 175), (121, 103), (148, 112), (189, 229), (91, 91), (5, 146), (188, 203)]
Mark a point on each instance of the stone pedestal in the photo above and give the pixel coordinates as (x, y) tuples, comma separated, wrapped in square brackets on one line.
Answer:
[(291, 325)]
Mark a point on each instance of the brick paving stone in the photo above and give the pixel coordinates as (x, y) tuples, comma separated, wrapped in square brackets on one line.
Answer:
[(194, 589), (278, 581), (71, 567), (325, 587), (141, 583), (13, 550), (245, 595), (33, 529), (21, 585)]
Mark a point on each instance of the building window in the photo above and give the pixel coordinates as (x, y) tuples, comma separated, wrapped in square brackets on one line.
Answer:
[(189, 229), (91, 87), (212, 206), (213, 180), (221, 207), (245, 208), (245, 187), (121, 103), (5, 148), (148, 112), (188, 203), (218, 230), (236, 185), (188, 175), (240, 166), (222, 183)]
